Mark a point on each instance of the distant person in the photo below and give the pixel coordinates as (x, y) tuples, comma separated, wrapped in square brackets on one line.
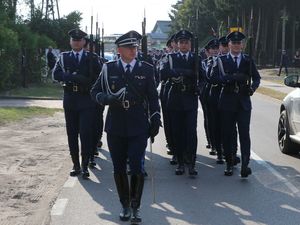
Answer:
[(51, 59), (283, 62), (296, 59)]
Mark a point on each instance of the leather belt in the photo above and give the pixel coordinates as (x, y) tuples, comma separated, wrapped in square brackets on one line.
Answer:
[(183, 87), (126, 104), (76, 88)]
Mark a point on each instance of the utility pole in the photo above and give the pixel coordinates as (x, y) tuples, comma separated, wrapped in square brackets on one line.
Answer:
[(284, 19), (31, 8), (48, 9)]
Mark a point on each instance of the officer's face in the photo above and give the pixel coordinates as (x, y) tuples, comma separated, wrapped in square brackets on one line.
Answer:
[(174, 45), (76, 44), (223, 49), (127, 53), (184, 45), (236, 47), (213, 51)]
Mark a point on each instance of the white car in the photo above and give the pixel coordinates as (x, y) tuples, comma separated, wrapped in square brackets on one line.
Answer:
[(109, 56), (289, 120)]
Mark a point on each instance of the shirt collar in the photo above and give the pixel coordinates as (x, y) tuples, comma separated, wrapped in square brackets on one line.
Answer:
[(239, 56), (187, 54), (80, 52), (132, 63)]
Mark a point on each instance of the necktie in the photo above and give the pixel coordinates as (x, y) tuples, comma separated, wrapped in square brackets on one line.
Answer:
[(235, 62), (127, 72), (77, 58), (184, 57)]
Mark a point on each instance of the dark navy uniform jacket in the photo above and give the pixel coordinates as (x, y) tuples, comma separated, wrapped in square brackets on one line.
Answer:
[(131, 121), (181, 73), (78, 77), (234, 94)]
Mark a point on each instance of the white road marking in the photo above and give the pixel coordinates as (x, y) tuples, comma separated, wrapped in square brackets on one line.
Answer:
[(294, 190), (59, 207), (70, 182)]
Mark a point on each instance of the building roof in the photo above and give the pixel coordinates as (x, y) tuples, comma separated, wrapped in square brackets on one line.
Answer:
[(161, 30)]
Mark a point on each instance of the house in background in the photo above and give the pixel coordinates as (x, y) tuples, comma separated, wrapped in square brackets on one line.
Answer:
[(159, 35)]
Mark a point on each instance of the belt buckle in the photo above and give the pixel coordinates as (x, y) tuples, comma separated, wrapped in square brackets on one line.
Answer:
[(75, 88), (236, 89), (126, 104), (183, 88)]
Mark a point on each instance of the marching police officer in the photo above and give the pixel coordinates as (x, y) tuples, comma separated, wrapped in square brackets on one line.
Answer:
[(240, 78), (212, 50), (182, 101), (98, 123), (223, 47), (212, 98), (127, 86), (73, 69), (164, 90)]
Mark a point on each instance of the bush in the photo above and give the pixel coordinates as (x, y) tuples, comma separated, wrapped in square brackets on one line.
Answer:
[(9, 49)]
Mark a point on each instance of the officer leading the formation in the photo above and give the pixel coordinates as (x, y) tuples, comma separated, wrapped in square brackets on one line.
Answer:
[(78, 70), (182, 102), (127, 86), (233, 70)]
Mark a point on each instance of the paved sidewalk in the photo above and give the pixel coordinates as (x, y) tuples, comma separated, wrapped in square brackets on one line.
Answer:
[(31, 102), (276, 86)]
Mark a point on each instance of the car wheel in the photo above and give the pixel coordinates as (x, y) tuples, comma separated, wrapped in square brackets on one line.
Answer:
[(286, 146)]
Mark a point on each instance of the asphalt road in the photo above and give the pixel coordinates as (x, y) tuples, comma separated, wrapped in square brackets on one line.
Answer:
[(270, 196)]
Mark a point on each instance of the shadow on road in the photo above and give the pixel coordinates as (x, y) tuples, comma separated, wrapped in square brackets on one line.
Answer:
[(210, 198)]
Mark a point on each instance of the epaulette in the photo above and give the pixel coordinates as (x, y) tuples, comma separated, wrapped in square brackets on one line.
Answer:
[(223, 56), (66, 52)]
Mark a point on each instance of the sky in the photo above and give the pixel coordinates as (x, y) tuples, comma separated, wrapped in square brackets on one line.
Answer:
[(118, 16)]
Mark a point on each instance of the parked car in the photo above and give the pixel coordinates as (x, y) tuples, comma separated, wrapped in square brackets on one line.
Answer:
[(109, 56), (289, 120)]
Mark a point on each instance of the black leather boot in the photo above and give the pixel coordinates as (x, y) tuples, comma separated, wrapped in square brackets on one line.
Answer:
[(180, 169), (220, 158), (245, 170), (122, 184), (192, 164), (84, 164), (136, 191), (229, 166), (92, 163), (76, 166), (173, 160)]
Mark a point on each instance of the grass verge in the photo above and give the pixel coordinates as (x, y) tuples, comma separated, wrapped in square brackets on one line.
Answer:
[(13, 114), (272, 93), (43, 90)]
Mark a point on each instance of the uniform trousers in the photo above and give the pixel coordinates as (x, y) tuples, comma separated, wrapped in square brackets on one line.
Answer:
[(123, 148), (184, 134), (80, 121), (229, 121)]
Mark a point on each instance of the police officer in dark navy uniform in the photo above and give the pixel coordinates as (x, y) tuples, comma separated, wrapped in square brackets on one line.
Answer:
[(239, 83), (223, 45), (127, 86), (98, 123), (73, 69), (212, 99), (212, 50), (182, 101), (163, 95), (224, 49)]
